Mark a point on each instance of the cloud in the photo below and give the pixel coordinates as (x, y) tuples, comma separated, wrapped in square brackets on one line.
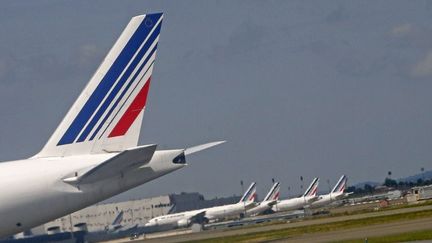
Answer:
[(88, 55), (337, 15), (411, 36), (423, 68), (3, 68), (401, 30), (246, 38), (51, 65)]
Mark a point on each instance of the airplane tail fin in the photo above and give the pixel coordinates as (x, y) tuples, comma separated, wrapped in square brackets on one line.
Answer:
[(312, 189), (118, 219), (340, 185), (107, 115), (250, 194), (273, 194)]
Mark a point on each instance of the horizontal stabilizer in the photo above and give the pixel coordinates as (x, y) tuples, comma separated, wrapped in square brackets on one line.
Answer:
[(201, 147), (124, 161)]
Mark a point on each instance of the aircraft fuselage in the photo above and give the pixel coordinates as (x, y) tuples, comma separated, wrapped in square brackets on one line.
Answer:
[(33, 191)]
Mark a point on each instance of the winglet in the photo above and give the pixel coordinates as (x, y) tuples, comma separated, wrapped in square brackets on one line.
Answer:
[(201, 147)]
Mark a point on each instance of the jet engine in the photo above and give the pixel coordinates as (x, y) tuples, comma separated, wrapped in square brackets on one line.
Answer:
[(183, 223)]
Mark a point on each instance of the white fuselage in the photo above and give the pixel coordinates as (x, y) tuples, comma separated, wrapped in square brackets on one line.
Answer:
[(226, 211), (176, 219), (292, 204), (326, 199), (33, 191), (213, 213), (260, 208)]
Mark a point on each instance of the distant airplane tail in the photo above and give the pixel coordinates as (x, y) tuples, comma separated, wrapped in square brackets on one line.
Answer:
[(250, 194), (340, 185), (273, 194), (312, 189), (118, 219), (107, 115)]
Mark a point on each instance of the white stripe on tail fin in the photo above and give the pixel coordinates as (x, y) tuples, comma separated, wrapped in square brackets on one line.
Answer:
[(250, 194), (340, 185), (273, 194), (312, 189), (107, 115)]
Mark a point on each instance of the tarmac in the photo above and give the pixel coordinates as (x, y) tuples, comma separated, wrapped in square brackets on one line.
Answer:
[(364, 232), (359, 232)]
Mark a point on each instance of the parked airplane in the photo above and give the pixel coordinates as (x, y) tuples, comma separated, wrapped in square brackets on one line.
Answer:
[(117, 227), (298, 203), (336, 194), (200, 216), (93, 154), (116, 224), (266, 204)]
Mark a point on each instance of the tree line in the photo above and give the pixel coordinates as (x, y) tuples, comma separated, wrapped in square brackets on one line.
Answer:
[(388, 182)]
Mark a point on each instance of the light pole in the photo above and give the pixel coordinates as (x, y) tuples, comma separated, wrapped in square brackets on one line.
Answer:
[(71, 226), (422, 172), (244, 203), (242, 189), (301, 179)]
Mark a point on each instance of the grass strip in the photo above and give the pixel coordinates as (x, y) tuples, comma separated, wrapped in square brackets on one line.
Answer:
[(295, 231), (403, 237)]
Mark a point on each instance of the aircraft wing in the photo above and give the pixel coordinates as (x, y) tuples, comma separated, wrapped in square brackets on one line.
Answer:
[(250, 205), (343, 195), (122, 162), (313, 199), (198, 218), (271, 203)]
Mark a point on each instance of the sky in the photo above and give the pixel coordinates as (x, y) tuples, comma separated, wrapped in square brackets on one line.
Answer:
[(297, 88)]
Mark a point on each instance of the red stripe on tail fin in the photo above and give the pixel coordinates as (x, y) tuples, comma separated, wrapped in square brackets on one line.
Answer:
[(132, 112)]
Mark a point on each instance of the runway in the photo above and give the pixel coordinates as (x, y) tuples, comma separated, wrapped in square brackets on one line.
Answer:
[(364, 232), (358, 232)]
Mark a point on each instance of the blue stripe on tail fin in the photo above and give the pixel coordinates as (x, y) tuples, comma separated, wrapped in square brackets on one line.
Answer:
[(108, 81), (249, 193)]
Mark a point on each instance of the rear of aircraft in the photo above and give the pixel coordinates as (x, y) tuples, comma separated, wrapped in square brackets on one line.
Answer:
[(250, 195), (312, 190), (94, 154), (273, 194), (107, 115), (339, 188), (269, 200)]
